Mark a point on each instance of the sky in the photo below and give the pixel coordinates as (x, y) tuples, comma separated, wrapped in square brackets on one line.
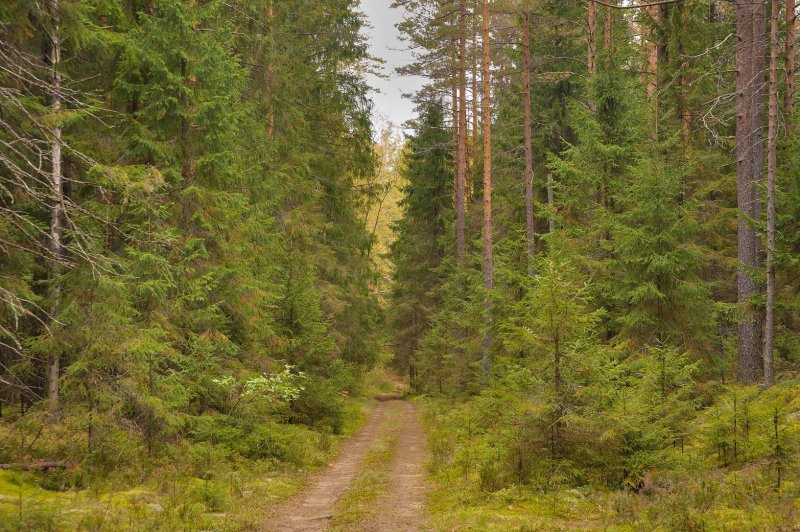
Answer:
[(384, 41)]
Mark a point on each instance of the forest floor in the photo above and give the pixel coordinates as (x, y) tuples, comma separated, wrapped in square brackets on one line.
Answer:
[(376, 483)]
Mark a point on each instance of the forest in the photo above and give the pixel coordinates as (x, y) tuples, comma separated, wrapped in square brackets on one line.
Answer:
[(564, 296)]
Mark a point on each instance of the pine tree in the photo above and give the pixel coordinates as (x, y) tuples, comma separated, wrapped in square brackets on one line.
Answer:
[(486, 112), (772, 168), (750, 37)]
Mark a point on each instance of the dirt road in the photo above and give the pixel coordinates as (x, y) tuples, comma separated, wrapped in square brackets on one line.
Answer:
[(402, 506), (397, 508)]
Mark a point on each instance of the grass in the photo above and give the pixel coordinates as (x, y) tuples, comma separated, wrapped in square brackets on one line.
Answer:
[(169, 504), (722, 500), (372, 479), (456, 507)]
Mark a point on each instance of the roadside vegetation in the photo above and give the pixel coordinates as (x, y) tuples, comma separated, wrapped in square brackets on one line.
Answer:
[(735, 465), (190, 484)]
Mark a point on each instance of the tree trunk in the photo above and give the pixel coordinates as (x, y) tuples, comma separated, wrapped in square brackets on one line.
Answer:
[(454, 113), (772, 165), (33, 466), (488, 267), (788, 97), (474, 105), (526, 94), (686, 118), (557, 384), (462, 97), (54, 359), (460, 161), (591, 45), (653, 50), (607, 33), (685, 111), (747, 168), (271, 124)]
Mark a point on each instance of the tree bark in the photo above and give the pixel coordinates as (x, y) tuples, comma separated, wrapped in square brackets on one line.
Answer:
[(788, 97), (460, 161), (685, 110), (653, 50), (557, 385), (454, 113), (772, 165), (56, 185), (271, 123), (488, 267), (474, 105), (607, 32), (526, 94), (747, 169), (462, 104), (686, 118)]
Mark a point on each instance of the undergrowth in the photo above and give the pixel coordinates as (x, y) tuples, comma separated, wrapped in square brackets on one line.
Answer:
[(736, 467), (219, 472)]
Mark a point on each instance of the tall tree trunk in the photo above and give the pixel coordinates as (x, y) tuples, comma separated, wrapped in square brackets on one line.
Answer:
[(760, 82), (557, 385), (474, 102), (684, 110), (607, 33), (772, 165), (271, 124), (759, 110), (591, 45), (788, 97), (747, 168), (462, 98), (526, 95), (686, 118), (56, 185), (454, 113), (653, 50), (460, 160), (488, 266)]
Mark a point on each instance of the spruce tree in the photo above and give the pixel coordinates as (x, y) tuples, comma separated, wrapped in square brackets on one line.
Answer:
[(421, 241)]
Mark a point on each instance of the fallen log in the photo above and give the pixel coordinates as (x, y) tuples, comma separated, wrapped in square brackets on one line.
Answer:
[(33, 466)]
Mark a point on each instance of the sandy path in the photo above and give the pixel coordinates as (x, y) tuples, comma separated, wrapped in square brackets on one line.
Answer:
[(401, 509), (313, 508)]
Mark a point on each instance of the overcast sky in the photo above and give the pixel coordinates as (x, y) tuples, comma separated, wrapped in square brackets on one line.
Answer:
[(385, 43)]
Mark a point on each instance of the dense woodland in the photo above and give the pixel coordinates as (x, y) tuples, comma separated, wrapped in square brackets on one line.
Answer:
[(617, 263), (584, 256), (186, 273)]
